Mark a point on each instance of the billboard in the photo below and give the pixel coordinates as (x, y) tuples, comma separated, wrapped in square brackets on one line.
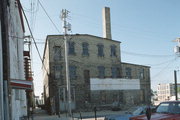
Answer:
[(114, 84)]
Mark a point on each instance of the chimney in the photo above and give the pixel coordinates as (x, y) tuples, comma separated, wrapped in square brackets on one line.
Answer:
[(106, 23)]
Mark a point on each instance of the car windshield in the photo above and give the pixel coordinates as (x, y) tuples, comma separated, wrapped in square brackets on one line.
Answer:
[(171, 108), (139, 111)]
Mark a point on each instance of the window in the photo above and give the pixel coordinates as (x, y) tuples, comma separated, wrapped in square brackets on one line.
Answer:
[(100, 50), (85, 50), (141, 74), (57, 71), (72, 72), (101, 70), (115, 72), (113, 51), (71, 48), (57, 53), (128, 72)]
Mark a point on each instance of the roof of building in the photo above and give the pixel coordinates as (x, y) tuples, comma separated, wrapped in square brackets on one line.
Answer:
[(87, 35), (135, 64)]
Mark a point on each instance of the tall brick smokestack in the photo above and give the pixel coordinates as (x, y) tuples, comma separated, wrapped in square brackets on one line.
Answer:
[(106, 23)]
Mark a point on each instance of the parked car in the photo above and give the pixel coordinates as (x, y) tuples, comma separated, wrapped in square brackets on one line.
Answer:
[(138, 111), (169, 110)]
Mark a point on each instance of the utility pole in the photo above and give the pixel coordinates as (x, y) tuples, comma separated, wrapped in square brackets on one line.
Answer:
[(177, 52), (175, 84), (66, 28), (1, 70), (5, 59)]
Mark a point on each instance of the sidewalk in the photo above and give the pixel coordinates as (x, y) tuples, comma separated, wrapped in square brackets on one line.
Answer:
[(42, 115)]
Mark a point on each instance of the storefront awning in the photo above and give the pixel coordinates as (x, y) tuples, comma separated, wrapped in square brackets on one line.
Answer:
[(21, 84)]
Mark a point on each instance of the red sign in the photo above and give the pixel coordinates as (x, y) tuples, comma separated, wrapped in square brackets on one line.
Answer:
[(21, 84)]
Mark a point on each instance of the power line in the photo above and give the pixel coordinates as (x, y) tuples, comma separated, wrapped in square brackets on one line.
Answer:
[(163, 69), (78, 47), (122, 51), (48, 16), (145, 55), (33, 39), (161, 63), (116, 26), (126, 52), (23, 37)]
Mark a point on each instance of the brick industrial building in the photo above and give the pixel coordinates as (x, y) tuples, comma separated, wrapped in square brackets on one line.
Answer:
[(97, 75)]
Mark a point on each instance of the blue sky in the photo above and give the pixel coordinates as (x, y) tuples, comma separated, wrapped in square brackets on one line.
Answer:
[(146, 29)]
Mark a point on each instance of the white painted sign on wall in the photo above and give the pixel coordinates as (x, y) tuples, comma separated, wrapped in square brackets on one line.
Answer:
[(114, 84)]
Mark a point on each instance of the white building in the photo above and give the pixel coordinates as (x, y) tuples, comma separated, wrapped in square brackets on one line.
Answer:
[(166, 91), (13, 103)]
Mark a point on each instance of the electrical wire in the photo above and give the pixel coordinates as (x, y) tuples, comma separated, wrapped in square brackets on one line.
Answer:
[(48, 16), (115, 25), (163, 69), (161, 63), (78, 47), (131, 53), (123, 51), (145, 55), (33, 39)]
